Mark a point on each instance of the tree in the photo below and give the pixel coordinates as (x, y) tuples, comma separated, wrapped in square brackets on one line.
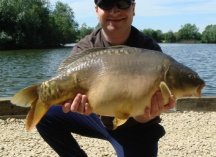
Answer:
[(5, 40), (188, 32), (209, 34), (65, 26), (156, 35), (84, 30), (170, 37), (31, 24), (8, 22), (25, 22)]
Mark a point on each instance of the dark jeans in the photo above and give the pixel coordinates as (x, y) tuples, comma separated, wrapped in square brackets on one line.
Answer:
[(137, 141)]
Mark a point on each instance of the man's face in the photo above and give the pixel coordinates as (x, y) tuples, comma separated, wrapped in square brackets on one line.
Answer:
[(115, 19)]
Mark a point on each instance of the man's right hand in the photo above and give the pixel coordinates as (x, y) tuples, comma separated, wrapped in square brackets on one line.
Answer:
[(79, 104)]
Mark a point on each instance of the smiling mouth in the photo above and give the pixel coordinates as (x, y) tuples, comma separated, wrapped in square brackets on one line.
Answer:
[(116, 20)]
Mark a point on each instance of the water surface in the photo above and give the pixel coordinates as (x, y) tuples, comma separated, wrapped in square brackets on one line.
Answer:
[(200, 57), (22, 68)]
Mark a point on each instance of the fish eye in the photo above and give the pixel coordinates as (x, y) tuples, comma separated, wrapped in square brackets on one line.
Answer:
[(191, 76)]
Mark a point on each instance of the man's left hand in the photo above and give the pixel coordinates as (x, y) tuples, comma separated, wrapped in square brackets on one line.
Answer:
[(156, 108)]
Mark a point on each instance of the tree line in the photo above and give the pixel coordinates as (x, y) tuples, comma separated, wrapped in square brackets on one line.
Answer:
[(188, 33), (38, 24), (34, 24)]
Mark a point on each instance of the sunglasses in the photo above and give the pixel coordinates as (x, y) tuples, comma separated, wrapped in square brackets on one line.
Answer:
[(120, 4)]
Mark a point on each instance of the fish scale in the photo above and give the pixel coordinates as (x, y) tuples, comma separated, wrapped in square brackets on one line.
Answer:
[(119, 81)]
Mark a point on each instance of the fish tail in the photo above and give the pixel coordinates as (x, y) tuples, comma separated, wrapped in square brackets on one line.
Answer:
[(37, 111), (29, 97), (25, 97)]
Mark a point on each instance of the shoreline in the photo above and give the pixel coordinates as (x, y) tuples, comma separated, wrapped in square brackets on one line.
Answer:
[(206, 103)]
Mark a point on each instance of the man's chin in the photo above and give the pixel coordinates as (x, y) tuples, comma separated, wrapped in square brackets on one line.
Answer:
[(112, 28)]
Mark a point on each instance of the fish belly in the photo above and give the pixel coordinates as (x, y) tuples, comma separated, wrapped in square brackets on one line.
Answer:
[(121, 94)]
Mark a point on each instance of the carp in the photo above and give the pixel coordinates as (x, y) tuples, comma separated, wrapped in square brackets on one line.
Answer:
[(119, 81)]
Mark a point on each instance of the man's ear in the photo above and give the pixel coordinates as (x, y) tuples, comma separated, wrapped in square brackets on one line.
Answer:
[(96, 9), (134, 9)]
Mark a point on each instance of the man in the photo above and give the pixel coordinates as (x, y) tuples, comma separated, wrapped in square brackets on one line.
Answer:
[(139, 136)]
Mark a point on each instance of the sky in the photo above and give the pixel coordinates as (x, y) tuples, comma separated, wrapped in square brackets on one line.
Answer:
[(164, 15)]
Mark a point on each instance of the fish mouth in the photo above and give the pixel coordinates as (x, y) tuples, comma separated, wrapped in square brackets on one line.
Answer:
[(199, 90), (191, 92)]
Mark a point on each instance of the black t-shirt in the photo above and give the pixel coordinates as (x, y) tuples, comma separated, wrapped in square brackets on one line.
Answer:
[(136, 39)]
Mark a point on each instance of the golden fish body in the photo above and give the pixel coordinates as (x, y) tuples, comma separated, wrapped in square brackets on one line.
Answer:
[(119, 81)]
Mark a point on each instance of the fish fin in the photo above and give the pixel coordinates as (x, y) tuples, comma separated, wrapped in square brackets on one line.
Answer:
[(120, 119), (118, 122), (37, 111), (166, 93), (75, 56), (25, 96)]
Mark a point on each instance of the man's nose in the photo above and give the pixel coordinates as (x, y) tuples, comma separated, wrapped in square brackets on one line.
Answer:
[(114, 10)]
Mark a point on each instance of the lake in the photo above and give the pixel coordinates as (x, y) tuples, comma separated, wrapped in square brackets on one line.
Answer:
[(21, 68)]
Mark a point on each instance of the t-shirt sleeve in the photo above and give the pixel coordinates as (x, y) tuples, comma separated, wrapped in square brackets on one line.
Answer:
[(82, 45)]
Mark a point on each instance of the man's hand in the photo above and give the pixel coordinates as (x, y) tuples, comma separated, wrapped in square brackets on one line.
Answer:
[(79, 104), (156, 108)]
